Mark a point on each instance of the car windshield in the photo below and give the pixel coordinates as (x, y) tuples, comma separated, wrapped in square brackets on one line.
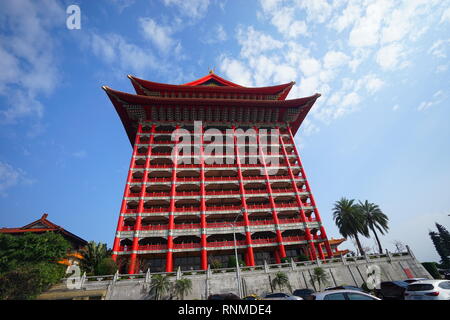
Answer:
[(334, 296), (358, 296), (420, 287), (276, 295), (400, 283)]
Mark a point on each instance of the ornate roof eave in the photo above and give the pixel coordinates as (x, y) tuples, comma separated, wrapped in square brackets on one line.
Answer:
[(145, 87), (119, 99), (51, 227), (151, 100)]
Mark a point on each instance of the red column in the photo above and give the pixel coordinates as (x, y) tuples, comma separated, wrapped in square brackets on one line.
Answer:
[(203, 242), (132, 268), (282, 251), (277, 256), (123, 207), (250, 257), (313, 202), (319, 247), (169, 255), (308, 237)]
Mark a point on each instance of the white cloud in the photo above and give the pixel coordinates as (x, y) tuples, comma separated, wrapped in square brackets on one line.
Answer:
[(373, 84), (395, 108), (445, 16), (366, 30), (194, 9), (439, 48), (349, 15), (236, 71), (115, 50), (334, 59), (27, 60), (11, 177), (388, 57), (284, 19), (437, 98), (158, 34), (215, 35)]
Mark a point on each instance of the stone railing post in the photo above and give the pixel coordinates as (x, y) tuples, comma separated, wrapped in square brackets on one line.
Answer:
[(293, 265), (344, 261), (83, 280), (148, 276), (410, 252), (388, 255), (266, 267), (179, 274)]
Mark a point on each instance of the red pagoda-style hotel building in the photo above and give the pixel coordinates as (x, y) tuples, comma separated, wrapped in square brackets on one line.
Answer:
[(178, 213)]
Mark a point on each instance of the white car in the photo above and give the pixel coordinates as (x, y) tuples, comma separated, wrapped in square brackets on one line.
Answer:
[(428, 290), (411, 280), (342, 295), (280, 296)]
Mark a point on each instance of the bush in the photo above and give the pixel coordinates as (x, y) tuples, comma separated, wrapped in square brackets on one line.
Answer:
[(432, 269), (107, 266), (28, 281), (302, 257)]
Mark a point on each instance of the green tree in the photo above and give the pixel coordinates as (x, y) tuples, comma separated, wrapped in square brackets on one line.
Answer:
[(374, 218), (432, 269), (349, 220), (31, 248), (281, 280), (93, 254), (182, 287), (232, 262), (106, 266), (445, 240), (441, 246), (28, 264), (160, 285), (320, 276), (216, 264)]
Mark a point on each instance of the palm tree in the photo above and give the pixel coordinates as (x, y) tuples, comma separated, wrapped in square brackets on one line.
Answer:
[(374, 218), (93, 253), (281, 280), (319, 275), (350, 221), (182, 287), (160, 285)]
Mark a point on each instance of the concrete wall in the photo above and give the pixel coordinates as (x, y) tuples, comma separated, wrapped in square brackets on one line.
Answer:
[(257, 280)]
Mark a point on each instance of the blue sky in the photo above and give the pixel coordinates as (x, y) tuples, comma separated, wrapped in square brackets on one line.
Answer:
[(379, 132)]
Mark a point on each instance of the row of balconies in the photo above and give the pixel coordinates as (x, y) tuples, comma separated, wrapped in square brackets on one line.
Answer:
[(213, 225), (194, 190), (219, 207), (211, 179), (216, 244)]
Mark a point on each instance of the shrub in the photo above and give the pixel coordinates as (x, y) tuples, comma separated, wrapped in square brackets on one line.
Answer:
[(106, 266), (432, 269)]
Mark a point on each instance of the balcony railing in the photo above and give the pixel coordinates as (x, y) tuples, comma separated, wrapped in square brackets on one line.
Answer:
[(218, 244), (263, 241)]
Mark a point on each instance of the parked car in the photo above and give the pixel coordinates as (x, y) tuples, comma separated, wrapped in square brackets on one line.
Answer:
[(280, 296), (391, 290), (345, 288), (341, 295), (303, 293), (252, 297), (428, 290), (411, 280), (224, 296)]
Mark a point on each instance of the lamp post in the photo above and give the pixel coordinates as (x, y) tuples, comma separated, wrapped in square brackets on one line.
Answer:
[(238, 271)]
